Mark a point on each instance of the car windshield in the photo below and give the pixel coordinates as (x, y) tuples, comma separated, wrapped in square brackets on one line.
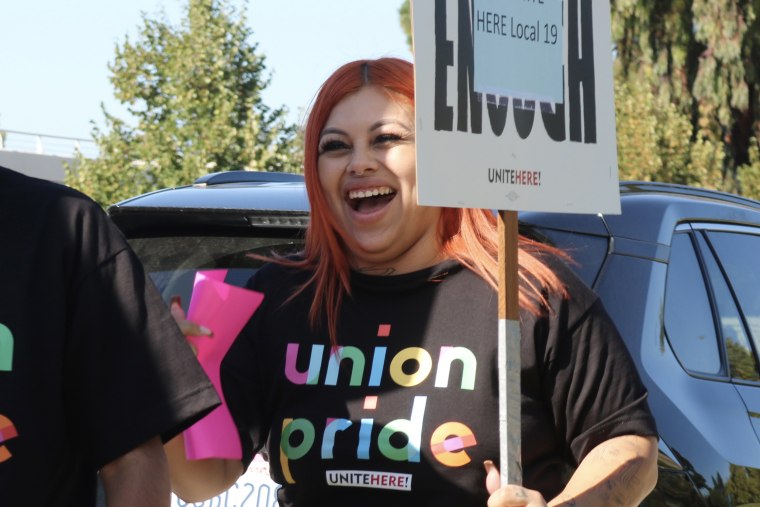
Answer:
[(173, 261)]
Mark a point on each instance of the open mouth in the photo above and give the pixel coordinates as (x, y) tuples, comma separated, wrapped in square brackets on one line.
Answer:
[(370, 199)]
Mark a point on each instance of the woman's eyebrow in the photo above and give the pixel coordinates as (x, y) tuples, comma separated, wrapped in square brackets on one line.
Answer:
[(378, 124), (332, 130), (383, 122)]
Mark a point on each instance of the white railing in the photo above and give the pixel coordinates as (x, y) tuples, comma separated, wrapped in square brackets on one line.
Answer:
[(43, 144)]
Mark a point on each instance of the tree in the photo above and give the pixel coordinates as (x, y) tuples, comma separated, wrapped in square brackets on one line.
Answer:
[(743, 484), (405, 18), (194, 92), (700, 56), (3, 135), (687, 91)]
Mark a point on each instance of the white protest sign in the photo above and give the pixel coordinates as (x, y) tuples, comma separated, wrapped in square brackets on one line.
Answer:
[(514, 105), (253, 489)]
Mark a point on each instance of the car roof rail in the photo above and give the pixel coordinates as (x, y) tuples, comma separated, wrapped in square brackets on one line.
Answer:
[(243, 176), (675, 188)]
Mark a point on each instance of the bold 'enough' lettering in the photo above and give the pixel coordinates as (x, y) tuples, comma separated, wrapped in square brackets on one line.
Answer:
[(444, 57), (466, 75), (580, 101), (580, 62)]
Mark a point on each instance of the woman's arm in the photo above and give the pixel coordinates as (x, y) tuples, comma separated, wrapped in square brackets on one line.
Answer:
[(139, 477), (619, 472), (199, 480)]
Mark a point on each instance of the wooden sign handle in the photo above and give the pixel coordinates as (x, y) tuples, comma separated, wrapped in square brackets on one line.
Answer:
[(509, 351)]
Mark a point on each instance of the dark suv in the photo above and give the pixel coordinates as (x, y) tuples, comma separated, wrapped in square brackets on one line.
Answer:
[(678, 270)]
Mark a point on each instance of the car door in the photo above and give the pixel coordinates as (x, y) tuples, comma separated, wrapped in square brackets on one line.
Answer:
[(712, 322), (731, 256)]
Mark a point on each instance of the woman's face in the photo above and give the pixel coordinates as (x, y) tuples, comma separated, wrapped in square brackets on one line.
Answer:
[(367, 171)]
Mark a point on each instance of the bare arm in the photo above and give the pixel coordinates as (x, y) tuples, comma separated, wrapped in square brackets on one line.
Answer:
[(139, 477), (619, 472), (198, 480)]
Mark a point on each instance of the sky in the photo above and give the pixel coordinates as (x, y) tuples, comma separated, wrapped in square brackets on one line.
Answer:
[(54, 54)]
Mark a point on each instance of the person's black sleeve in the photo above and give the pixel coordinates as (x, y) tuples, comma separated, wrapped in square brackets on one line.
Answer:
[(130, 373), (595, 390)]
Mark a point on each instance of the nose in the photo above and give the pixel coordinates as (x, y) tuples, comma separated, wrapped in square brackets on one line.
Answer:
[(362, 160)]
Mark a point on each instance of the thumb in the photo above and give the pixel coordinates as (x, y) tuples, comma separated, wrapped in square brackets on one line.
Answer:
[(493, 478)]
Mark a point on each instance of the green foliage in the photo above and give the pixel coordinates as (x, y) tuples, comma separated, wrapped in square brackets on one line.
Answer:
[(656, 141), (653, 137), (740, 360), (194, 92), (743, 484), (749, 174), (699, 59), (405, 17)]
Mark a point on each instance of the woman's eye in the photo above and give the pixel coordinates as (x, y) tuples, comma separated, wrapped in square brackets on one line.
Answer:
[(332, 145), (387, 138)]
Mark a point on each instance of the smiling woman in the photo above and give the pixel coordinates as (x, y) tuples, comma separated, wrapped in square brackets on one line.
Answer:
[(367, 172), (368, 371)]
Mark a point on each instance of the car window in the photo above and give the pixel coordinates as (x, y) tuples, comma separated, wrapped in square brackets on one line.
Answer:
[(738, 256), (172, 261), (689, 323), (741, 359)]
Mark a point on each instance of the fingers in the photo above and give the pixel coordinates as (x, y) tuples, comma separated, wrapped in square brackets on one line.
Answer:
[(510, 495), (493, 479), (192, 329), (188, 328)]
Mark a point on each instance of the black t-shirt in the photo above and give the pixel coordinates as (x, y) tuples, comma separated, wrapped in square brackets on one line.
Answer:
[(410, 411), (91, 362)]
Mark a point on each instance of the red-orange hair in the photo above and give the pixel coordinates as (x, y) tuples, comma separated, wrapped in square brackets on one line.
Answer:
[(467, 235)]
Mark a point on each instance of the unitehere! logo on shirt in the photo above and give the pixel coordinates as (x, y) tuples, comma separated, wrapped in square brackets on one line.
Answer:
[(365, 479)]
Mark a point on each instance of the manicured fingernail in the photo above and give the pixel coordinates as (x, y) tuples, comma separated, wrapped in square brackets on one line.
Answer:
[(488, 465), (176, 300), (205, 331)]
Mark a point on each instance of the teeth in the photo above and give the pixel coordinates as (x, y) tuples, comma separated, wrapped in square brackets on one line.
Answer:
[(362, 194)]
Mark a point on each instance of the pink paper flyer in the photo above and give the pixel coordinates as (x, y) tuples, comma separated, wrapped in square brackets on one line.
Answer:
[(224, 309)]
